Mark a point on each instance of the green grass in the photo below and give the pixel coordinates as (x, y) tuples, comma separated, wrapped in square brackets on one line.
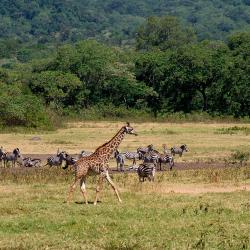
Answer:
[(233, 130), (152, 215)]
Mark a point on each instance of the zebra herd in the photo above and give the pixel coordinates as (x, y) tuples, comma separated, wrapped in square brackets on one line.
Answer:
[(56, 160), (152, 159)]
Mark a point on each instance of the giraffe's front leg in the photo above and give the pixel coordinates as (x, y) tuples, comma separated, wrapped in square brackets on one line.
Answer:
[(99, 187), (113, 186), (71, 190)]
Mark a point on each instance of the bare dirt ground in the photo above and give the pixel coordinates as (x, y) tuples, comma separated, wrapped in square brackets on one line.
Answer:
[(178, 165)]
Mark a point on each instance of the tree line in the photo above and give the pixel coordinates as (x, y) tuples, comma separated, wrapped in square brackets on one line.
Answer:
[(113, 21), (170, 70)]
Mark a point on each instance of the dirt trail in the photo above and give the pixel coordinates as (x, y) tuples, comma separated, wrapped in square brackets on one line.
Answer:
[(178, 165)]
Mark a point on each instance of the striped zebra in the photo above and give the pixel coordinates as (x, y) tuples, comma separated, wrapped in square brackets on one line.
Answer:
[(29, 162), (151, 157), (120, 158), (146, 170), (11, 157), (165, 158), (179, 151), (69, 160), (84, 153), (144, 150), (132, 156), (56, 160)]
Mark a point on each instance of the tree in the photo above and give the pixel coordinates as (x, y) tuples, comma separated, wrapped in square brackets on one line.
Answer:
[(57, 87), (163, 33), (198, 67)]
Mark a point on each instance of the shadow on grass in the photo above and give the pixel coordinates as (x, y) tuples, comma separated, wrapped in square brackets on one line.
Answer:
[(83, 203)]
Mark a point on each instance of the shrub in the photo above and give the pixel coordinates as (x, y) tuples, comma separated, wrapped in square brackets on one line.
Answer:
[(19, 109), (238, 157)]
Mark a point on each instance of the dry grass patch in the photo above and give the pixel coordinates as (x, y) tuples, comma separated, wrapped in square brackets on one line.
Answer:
[(203, 141)]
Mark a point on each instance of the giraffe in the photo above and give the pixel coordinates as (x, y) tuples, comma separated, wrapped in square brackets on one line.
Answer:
[(97, 164)]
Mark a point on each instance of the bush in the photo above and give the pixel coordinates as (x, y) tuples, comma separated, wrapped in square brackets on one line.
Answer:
[(238, 157), (22, 109)]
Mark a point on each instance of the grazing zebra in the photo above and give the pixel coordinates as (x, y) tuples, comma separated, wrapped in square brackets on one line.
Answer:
[(145, 150), (120, 158), (146, 170), (179, 151), (1, 154), (28, 162), (133, 156), (85, 153), (70, 160), (165, 158), (11, 157), (151, 157), (56, 160)]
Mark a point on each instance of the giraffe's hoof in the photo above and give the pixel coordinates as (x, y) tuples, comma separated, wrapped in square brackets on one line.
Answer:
[(120, 201)]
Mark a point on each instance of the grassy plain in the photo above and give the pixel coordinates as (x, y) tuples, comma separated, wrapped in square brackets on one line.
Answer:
[(205, 141), (189, 209)]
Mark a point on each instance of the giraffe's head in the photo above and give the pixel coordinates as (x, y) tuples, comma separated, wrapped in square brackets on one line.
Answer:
[(129, 129)]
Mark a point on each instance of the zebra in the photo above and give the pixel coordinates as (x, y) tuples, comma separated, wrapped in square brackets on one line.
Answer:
[(28, 162), (145, 149), (165, 158), (84, 153), (56, 160), (70, 160), (179, 151), (146, 170), (151, 157), (119, 160), (11, 157), (133, 156), (2, 152)]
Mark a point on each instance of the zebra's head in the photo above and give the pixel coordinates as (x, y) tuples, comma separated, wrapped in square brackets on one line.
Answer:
[(62, 155), (129, 129), (150, 147), (184, 147), (116, 153), (141, 155), (16, 152)]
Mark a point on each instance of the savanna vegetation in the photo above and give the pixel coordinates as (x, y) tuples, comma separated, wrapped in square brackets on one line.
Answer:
[(200, 208), (170, 68)]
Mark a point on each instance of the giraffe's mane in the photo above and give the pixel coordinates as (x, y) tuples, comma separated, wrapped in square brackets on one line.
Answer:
[(103, 145)]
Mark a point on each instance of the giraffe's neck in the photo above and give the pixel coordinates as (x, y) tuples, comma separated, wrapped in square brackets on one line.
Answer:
[(107, 149)]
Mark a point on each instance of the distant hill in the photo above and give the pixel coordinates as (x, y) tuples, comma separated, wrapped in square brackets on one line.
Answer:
[(115, 21)]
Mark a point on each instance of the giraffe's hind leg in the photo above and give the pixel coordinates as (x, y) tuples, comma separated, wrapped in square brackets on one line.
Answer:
[(72, 189), (113, 186), (83, 189), (98, 188)]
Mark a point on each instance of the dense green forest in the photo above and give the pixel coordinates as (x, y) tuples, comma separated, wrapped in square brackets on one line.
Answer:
[(168, 68), (115, 21)]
